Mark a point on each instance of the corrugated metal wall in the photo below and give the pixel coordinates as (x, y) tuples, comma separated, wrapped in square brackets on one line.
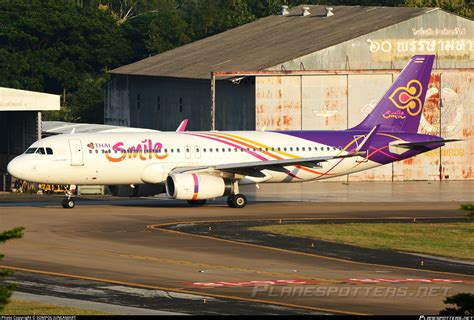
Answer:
[(157, 103), (117, 103), (162, 103), (18, 130), (340, 101), (235, 105)]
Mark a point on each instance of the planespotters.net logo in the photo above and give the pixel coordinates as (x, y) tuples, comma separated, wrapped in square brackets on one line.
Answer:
[(311, 291), (446, 318)]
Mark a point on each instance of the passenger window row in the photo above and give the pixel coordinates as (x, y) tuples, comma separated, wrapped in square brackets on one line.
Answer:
[(297, 149), (135, 151), (223, 150)]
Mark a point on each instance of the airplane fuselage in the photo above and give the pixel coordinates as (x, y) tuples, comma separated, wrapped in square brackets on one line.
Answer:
[(196, 166), (126, 158)]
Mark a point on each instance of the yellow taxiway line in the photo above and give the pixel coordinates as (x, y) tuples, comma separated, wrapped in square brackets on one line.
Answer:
[(221, 296)]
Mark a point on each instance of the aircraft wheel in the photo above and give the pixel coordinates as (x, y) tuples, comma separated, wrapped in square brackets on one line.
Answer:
[(239, 201), (68, 203), (230, 201), (197, 202)]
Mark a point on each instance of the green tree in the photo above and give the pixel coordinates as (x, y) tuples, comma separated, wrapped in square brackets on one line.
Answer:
[(167, 29), (55, 46), (266, 7), (461, 7), (172, 23), (263, 8), (464, 303), (6, 291), (208, 17)]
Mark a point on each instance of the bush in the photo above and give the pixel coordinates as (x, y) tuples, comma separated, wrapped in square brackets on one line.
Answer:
[(464, 303), (7, 290), (469, 208)]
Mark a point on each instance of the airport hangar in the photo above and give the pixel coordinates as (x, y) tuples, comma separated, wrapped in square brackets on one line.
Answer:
[(309, 68), (20, 124)]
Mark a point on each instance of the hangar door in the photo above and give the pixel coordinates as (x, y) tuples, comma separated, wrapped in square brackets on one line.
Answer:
[(76, 152)]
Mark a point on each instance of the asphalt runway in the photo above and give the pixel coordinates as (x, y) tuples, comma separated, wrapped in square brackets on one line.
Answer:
[(129, 244), (239, 231)]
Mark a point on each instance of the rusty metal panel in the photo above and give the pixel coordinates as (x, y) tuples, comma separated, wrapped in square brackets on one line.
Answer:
[(364, 91), (324, 102), (424, 166), (457, 122), (278, 102)]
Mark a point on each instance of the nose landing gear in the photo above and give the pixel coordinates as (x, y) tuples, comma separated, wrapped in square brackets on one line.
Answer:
[(68, 202)]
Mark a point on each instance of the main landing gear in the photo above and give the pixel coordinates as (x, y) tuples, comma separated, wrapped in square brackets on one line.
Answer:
[(237, 201)]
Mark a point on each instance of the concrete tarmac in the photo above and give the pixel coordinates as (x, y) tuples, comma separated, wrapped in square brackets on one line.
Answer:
[(113, 243)]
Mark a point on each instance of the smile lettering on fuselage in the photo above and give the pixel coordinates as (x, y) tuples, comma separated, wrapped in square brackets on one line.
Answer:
[(146, 150)]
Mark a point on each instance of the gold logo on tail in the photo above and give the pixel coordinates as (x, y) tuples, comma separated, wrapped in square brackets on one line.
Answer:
[(408, 97)]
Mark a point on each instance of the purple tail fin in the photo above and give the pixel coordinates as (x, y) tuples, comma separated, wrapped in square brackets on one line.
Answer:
[(400, 108)]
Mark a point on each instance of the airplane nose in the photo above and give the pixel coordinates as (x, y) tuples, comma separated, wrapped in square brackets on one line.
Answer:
[(16, 168)]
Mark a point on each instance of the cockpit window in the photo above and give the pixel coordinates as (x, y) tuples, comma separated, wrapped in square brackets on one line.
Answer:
[(49, 151), (40, 151), (30, 150)]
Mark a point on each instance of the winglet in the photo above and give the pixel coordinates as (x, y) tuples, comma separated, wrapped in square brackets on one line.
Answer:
[(365, 144), (182, 126)]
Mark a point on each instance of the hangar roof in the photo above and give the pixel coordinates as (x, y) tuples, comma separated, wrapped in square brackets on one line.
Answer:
[(270, 41), (23, 100), (59, 127)]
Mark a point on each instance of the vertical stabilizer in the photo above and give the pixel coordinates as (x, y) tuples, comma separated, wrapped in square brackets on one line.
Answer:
[(400, 108)]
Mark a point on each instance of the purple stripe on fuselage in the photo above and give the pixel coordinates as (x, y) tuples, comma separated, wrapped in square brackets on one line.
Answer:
[(343, 138)]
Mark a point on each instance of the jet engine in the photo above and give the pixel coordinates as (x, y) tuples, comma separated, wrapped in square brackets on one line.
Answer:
[(195, 186)]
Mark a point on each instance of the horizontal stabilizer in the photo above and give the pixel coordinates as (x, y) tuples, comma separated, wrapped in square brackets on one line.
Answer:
[(420, 144), (399, 147)]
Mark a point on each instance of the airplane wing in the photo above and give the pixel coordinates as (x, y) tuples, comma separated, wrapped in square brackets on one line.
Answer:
[(254, 168)]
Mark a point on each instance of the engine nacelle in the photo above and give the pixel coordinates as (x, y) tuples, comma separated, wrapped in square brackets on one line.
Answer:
[(194, 186)]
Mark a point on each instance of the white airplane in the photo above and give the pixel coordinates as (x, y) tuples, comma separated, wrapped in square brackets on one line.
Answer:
[(196, 166)]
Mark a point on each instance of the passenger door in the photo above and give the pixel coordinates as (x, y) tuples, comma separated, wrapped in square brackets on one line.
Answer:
[(75, 146)]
